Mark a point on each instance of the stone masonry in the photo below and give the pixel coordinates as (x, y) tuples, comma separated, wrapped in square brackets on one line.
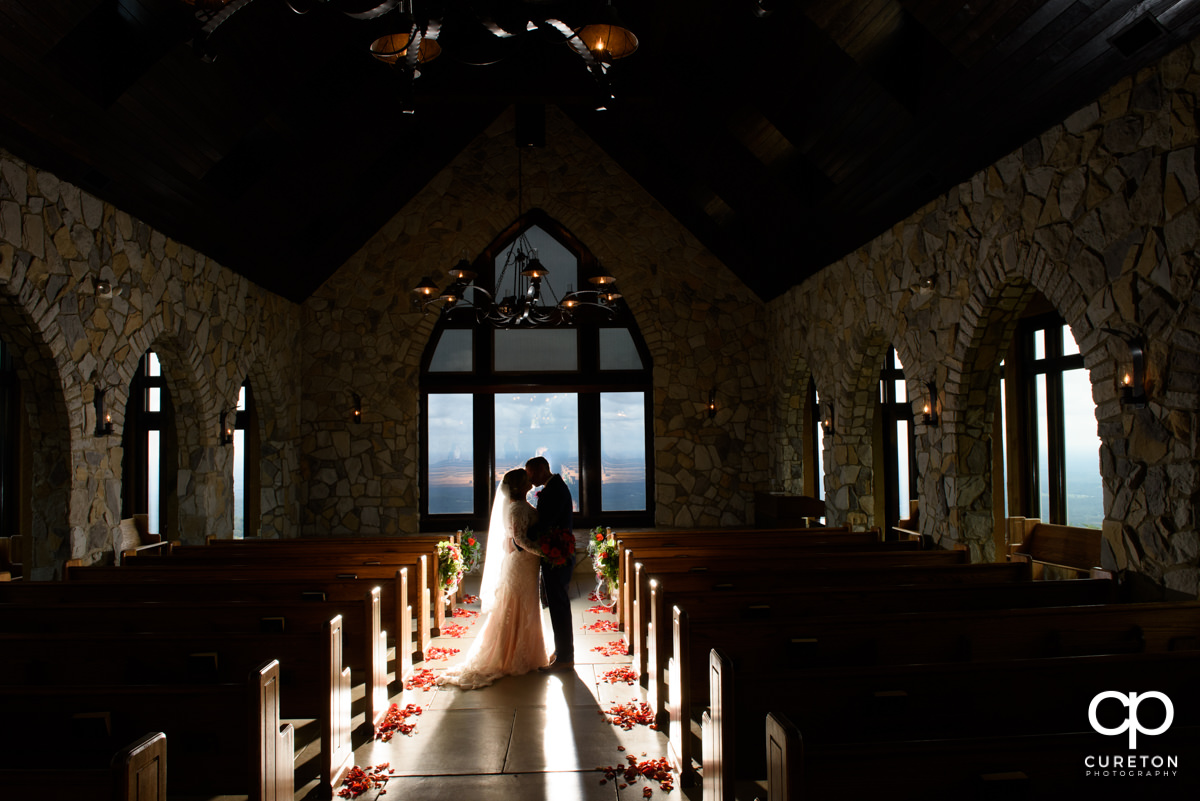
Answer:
[(1100, 215), (211, 328), (703, 328)]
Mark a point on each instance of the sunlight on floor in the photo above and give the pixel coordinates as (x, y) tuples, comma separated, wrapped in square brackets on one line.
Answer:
[(558, 738)]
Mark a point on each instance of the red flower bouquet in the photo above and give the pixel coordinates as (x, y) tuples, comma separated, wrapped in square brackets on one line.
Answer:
[(558, 546)]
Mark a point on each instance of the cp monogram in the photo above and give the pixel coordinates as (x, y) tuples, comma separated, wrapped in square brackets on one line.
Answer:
[(1131, 723)]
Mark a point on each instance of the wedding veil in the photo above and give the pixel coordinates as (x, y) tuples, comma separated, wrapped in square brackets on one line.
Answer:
[(497, 539)]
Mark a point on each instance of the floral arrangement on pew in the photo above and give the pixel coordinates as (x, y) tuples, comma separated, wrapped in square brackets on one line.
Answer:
[(602, 547), (470, 549), (450, 566), (558, 546)]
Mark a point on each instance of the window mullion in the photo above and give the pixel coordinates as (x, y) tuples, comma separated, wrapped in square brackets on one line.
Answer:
[(1057, 446), (484, 410), (589, 455)]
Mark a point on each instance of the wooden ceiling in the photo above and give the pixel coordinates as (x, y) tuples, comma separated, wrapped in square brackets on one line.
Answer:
[(783, 134)]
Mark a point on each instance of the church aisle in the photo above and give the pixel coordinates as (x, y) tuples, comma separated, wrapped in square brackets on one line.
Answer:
[(531, 737)]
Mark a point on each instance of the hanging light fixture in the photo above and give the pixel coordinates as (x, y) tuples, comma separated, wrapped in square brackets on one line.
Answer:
[(478, 38), (523, 295), (607, 38), (393, 47)]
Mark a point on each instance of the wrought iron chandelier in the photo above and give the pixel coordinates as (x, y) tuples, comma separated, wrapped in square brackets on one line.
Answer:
[(419, 27), (523, 295), (419, 33)]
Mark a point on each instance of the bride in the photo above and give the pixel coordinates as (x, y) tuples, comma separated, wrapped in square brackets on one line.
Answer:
[(510, 640)]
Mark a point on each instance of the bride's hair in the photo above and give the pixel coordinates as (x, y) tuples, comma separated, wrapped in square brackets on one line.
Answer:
[(514, 483)]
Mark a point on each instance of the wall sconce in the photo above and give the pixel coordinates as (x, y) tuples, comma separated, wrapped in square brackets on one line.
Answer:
[(929, 415), (103, 288), (226, 436), (423, 293), (712, 403), (827, 418), (104, 426), (1133, 383), (356, 413)]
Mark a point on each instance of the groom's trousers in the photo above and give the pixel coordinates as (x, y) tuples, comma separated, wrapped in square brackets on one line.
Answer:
[(557, 581)]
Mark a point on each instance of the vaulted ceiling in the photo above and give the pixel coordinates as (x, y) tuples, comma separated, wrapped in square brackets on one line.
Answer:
[(782, 134)]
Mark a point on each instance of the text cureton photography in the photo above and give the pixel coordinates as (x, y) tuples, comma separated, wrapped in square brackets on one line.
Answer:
[(1127, 765), (1130, 765)]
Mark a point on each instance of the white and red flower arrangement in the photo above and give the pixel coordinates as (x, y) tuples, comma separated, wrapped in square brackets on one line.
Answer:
[(602, 547), (450, 566), (470, 548)]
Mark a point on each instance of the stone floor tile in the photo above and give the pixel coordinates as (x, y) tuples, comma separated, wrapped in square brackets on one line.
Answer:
[(505, 787), (457, 741), (568, 738)]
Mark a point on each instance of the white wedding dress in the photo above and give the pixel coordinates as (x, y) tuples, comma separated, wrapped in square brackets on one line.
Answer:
[(510, 641)]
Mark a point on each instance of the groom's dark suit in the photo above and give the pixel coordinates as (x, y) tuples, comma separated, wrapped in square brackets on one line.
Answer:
[(555, 511)]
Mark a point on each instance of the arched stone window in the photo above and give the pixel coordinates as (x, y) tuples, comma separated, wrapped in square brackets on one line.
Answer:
[(1050, 427), (150, 444), (11, 430), (899, 465), (247, 455), (578, 393)]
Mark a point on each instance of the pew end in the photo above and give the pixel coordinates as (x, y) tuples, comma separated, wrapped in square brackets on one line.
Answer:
[(136, 772), (1055, 551), (785, 759), (141, 769), (133, 537)]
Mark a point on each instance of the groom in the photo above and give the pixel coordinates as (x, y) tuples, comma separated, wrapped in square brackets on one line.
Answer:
[(554, 511)]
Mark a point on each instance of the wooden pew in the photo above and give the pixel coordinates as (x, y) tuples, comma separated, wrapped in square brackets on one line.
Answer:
[(366, 549), (313, 679), (347, 551), (654, 625), (244, 579), (675, 683), (424, 594), (306, 604), (910, 638), (135, 772), (718, 536), (1068, 551), (715, 549), (227, 738), (1045, 766), (662, 560), (847, 707), (219, 609)]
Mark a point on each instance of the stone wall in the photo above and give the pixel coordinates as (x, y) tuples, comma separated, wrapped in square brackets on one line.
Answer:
[(703, 328), (211, 327), (1100, 214)]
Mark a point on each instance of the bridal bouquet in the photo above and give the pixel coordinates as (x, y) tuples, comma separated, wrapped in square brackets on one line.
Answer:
[(450, 566), (558, 546)]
